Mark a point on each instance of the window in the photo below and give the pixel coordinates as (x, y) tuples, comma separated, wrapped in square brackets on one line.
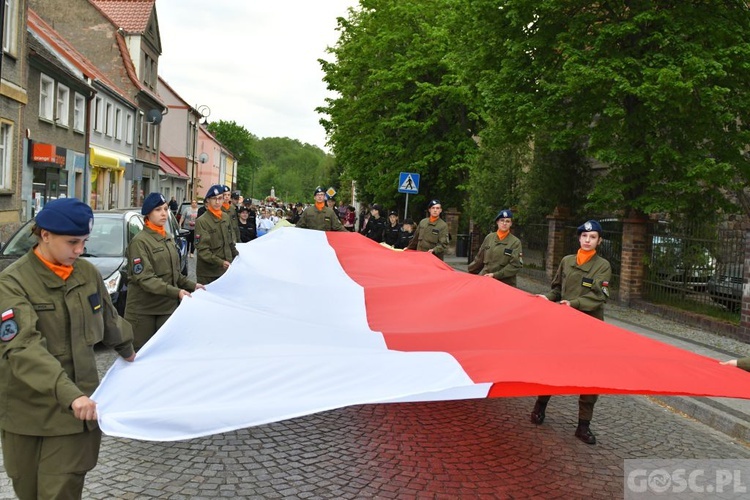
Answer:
[(99, 114), (118, 123), (149, 129), (46, 97), (140, 125), (79, 110), (62, 107), (108, 119), (129, 128), (9, 26), (6, 144)]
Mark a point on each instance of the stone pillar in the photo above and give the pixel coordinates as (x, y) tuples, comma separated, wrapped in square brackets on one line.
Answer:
[(632, 270), (452, 216), (745, 306), (556, 239)]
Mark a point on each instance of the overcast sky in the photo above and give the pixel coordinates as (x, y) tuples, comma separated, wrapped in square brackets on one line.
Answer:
[(251, 61)]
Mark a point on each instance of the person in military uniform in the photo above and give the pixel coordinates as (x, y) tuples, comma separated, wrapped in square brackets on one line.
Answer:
[(431, 234), (246, 226), (405, 234), (500, 256), (55, 309), (214, 240), (375, 228), (581, 282), (229, 207), (319, 216), (155, 284)]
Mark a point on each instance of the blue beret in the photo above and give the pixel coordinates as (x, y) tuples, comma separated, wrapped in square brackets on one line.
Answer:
[(152, 201), (504, 214), (226, 188), (66, 216), (319, 190), (214, 190), (590, 225), (432, 203)]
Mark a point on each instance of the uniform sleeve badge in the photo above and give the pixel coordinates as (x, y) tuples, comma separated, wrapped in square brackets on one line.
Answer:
[(137, 266), (8, 327), (605, 288)]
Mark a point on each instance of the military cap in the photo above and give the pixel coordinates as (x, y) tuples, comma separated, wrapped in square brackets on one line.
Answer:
[(504, 214), (66, 216), (589, 226), (152, 201), (432, 203), (214, 190)]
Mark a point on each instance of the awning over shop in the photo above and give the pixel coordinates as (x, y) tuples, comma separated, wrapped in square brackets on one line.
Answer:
[(169, 168), (104, 158)]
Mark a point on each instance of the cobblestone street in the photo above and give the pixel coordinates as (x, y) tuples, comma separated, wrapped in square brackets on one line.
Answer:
[(461, 449)]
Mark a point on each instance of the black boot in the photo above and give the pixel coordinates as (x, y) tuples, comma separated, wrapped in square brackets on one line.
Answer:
[(584, 433), (537, 414)]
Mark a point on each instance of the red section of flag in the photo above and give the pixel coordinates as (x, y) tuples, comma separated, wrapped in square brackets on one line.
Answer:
[(523, 344), (7, 315)]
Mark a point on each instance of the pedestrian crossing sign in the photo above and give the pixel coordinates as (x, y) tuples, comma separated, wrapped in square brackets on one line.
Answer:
[(408, 182)]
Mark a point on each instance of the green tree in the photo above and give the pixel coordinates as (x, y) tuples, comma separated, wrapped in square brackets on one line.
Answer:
[(243, 145), (656, 91), (398, 106)]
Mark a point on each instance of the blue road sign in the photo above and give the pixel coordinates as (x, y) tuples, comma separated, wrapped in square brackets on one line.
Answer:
[(408, 183)]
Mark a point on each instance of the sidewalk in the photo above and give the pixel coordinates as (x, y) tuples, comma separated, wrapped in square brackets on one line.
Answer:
[(727, 415)]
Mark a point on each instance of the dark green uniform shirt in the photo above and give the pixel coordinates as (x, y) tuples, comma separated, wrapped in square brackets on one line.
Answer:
[(585, 286), (322, 220), (215, 244), (500, 258), (430, 235), (234, 220), (47, 343), (154, 277)]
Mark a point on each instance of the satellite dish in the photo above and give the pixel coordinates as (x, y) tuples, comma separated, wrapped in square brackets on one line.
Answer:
[(203, 158), (154, 116)]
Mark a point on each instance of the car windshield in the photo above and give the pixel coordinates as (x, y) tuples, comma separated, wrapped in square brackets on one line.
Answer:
[(21, 242), (106, 238)]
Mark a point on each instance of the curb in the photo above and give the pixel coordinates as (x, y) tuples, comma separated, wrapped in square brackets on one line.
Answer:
[(712, 413)]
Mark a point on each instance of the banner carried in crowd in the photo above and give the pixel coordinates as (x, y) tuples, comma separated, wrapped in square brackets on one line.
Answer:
[(306, 321)]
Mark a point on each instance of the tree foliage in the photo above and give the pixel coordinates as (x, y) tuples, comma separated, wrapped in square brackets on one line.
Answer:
[(398, 107), (656, 91)]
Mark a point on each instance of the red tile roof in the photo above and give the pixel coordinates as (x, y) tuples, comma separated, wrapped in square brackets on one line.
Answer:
[(168, 167), (57, 42), (130, 15)]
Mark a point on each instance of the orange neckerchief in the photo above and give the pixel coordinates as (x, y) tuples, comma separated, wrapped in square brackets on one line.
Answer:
[(225, 206), (433, 219), (320, 205), (155, 228), (584, 256), (215, 213), (60, 270), (502, 234)]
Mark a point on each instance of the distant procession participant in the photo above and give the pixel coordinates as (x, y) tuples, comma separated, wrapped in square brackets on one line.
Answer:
[(230, 208), (247, 227), (214, 240), (55, 309), (319, 216), (581, 282), (431, 234), (500, 256), (155, 283)]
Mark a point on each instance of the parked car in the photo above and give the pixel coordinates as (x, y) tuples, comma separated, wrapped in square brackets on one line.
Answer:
[(725, 286), (681, 263), (105, 248)]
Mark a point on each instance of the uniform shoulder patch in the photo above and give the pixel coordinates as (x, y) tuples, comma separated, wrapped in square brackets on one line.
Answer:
[(8, 327), (137, 265)]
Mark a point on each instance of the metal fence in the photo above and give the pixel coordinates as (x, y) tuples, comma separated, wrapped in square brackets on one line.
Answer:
[(695, 267), (534, 240)]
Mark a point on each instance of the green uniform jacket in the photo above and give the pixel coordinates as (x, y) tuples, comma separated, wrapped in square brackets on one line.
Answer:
[(322, 220), (214, 243), (500, 258), (234, 220), (154, 277), (50, 361), (429, 235), (585, 286), (744, 363)]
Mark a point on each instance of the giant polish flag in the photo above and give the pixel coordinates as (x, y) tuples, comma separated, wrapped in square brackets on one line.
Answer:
[(307, 321)]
